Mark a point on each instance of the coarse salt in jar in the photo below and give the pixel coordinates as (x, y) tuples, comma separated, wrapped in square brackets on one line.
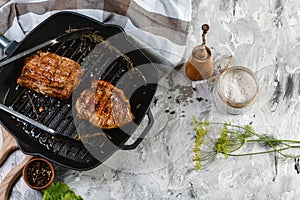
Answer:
[(237, 89)]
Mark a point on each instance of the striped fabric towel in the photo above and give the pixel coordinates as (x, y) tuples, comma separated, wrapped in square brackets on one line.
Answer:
[(159, 24)]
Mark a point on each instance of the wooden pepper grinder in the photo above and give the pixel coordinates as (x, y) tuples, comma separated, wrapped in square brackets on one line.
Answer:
[(199, 65)]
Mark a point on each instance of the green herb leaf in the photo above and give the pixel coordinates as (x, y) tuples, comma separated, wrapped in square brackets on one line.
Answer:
[(270, 141), (249, 132), (72, 196), (60, 191), (223, 143)]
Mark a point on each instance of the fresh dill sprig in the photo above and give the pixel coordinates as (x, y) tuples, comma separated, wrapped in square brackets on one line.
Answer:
[(230, 138), (201, 156)]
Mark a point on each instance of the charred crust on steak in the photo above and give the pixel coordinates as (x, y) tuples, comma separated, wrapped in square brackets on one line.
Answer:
[(104, 105), (50, 74)]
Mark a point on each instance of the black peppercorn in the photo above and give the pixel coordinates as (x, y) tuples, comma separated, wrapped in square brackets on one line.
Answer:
[(38, 174)]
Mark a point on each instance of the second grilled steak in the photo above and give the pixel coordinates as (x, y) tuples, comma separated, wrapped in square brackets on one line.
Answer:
[(104, 105), (50, 74)]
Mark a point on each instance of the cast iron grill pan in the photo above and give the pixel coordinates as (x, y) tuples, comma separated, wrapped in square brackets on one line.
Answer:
[(59, 115)]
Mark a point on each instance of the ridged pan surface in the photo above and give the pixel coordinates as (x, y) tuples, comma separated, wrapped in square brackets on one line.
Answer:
[(99, 61)]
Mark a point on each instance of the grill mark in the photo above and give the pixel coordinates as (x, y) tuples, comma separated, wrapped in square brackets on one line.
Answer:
[(101, 99), (86, 99), (98, 96), (39, 83), (91, 109), (58, 91), (50, 74), (110, 106), (107, 110)]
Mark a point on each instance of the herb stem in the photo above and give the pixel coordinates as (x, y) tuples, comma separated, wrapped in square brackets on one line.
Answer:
[(254, 153), (269, 151), (290, 141), (284, 142)]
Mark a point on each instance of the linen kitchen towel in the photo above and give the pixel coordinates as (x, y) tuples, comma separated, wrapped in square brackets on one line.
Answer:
[(159, 24)]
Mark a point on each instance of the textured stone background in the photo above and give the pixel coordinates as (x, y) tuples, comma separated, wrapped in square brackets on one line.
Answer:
[(261, 35)]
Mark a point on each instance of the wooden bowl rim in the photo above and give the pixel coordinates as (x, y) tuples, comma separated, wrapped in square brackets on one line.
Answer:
[(25, 176)]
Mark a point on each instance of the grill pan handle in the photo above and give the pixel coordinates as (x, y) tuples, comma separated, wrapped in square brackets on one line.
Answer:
[(143, 134), (7, 45)]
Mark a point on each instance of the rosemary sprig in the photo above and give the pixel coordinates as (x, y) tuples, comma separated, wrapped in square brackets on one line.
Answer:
[(229, 140), (95, 37)]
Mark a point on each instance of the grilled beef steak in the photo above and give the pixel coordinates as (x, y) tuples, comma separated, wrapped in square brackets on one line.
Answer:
[(104, 105), (50, 74)]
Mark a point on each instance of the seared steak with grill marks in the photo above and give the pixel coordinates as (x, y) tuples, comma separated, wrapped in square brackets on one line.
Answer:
[(104, 105), (50, 74)]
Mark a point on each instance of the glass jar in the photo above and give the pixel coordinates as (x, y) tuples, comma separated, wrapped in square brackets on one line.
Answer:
[(237, 89)]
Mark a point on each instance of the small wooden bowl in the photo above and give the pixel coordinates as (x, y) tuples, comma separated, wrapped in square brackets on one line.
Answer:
[(38, 173)]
